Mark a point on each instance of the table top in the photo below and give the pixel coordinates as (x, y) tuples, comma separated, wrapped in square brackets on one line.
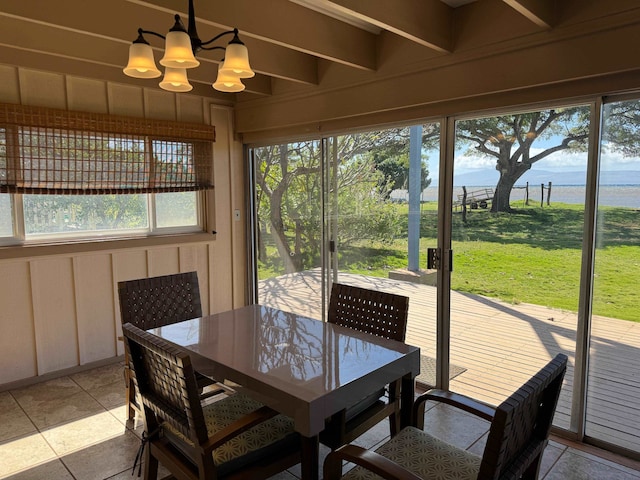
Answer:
[(305, 368)]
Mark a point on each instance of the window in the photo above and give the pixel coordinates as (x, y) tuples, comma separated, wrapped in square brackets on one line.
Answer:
[(75, 175)]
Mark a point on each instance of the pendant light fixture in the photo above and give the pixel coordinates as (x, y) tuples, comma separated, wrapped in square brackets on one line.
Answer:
[(181, 47)]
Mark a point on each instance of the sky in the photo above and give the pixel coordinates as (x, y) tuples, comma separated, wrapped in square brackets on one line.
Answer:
[(557, 162)]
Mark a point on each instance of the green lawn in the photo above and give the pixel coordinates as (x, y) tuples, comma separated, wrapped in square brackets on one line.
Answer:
[(533, 256)]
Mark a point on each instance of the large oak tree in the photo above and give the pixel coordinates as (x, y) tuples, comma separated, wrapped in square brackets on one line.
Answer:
[(510, 139)]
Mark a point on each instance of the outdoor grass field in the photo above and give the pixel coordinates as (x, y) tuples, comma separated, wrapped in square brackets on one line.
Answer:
[(533, 256)]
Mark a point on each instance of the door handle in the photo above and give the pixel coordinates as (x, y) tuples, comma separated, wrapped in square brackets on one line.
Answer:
[(434, 259)]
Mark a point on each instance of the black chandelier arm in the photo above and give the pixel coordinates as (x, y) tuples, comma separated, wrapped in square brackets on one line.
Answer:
[(149, 32), (214, 48), (229, 32)]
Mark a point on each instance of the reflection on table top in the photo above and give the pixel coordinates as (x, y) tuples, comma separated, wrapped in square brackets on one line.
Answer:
[(306, 368)]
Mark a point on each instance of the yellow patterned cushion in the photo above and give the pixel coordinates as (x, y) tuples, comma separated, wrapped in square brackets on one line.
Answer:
[(425, 456), (223, 412)]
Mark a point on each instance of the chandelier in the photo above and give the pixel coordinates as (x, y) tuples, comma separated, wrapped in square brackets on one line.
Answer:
[(181, 46)]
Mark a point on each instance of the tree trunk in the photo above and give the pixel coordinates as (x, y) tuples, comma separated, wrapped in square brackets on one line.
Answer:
[(277, 230), (502, 195)]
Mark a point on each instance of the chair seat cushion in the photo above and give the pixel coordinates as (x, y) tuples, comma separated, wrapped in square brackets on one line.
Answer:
[(265, 439), (425, 456)]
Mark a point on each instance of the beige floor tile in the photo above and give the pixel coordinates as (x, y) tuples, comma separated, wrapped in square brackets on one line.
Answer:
[(83, 432), (13, 421), (55, 389), (104, 459), (21, 453), (101, 376), (120, 413), (454, 426), (56, 401), (126, 475), (576, 465), (53, 470), (550, 456), (109, 395)]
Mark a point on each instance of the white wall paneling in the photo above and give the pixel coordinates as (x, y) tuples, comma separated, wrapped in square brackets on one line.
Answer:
[(87, 95), (195, 258), (163, 261), (127, 265), (60, 310), (9, 85), (94, 306), (17, 342), (221, 262), (54, 313), (42, 89), (125, 100)]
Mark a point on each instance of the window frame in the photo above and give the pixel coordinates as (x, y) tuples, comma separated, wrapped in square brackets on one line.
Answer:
[(20, 238)]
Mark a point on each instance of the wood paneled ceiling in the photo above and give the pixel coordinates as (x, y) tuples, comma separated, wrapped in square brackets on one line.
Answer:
[(290, 42)]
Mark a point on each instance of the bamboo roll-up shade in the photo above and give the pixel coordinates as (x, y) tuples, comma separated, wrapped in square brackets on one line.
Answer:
[(48, 151)]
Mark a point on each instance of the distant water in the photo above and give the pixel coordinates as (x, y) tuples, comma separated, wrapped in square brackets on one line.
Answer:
[(609, 195)]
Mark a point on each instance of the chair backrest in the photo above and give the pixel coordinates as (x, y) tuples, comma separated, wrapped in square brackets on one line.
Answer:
[(379, 313), (157, 301), (520, 428), (165, 378)]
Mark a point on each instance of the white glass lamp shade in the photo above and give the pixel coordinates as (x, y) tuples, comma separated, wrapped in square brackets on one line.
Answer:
[(227, 82), (175, 80), (178, 52), (236, 61), (141, 62)]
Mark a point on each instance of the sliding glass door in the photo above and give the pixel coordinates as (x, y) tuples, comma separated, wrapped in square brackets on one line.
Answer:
[(539, 226), (287, 224), (613, 383), (382, 216), (517, 223)]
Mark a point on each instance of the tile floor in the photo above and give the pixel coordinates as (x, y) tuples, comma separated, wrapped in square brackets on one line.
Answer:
[(74, 427)]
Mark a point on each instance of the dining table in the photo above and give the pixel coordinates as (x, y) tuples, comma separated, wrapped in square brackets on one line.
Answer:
[(305, 368)]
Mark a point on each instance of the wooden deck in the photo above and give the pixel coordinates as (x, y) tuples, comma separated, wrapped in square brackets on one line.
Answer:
[(500, 345)]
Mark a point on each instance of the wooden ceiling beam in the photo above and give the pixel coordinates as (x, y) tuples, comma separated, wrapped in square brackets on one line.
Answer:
[(540, 12), (427, 22)]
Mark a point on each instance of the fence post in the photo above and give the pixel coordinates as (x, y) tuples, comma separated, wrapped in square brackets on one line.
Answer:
[(549, 195), (526, 195), (464, 204), (542, 195)]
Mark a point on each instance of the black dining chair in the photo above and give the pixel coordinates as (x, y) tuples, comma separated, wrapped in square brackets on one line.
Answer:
[(382, 314), (518, 435), (155, 302), (230, 437)]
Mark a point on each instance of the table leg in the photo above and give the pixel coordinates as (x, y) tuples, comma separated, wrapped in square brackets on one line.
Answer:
[(310, 452), (407, 394)]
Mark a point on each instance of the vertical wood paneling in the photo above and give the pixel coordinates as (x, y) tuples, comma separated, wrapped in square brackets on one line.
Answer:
[(221, 253), (239, 240), (43, 89), (190, 109), (87, 95), (127, 265), (160, 105), (54, 314), (163, 261), (195, 257), (17, 342), (95, 307), (125, 100), (9, 85)]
